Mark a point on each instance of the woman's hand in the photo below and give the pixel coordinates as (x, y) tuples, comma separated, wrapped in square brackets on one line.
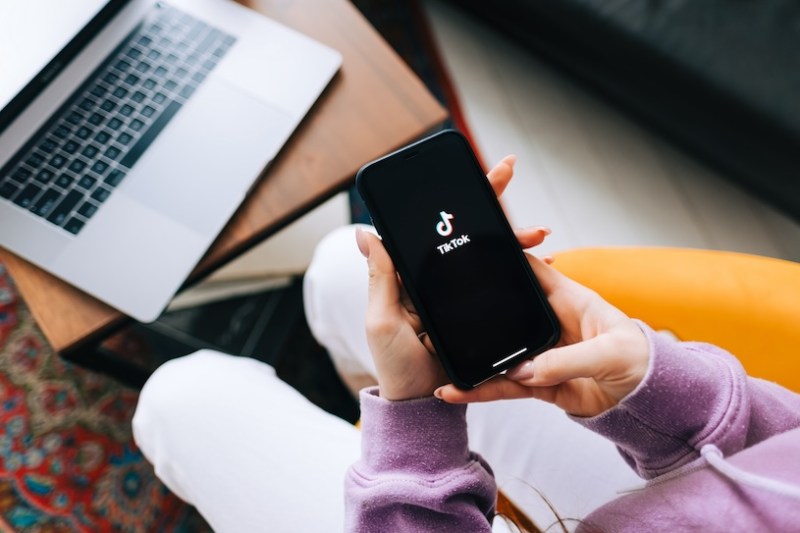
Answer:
[(404, 357), (601, 357)]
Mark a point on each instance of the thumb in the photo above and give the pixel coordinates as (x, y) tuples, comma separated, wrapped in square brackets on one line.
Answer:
[(384, 292), (557, 365)]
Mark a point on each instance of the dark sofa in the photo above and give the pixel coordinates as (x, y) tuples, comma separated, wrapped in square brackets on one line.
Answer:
[(719, 77)]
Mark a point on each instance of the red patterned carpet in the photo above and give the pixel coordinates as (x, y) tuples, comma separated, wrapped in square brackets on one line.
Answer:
[(67, 458)]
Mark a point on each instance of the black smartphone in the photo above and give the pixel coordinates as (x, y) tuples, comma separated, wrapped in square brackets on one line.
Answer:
[(458, 258)]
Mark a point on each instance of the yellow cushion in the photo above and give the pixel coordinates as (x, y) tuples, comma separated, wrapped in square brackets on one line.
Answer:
[(747, 304)]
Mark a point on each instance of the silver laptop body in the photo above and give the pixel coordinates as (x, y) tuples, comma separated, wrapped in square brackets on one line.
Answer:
[(130, 236)]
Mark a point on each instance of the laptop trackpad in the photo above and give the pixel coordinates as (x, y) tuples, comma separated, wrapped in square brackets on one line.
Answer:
[(201, 165)]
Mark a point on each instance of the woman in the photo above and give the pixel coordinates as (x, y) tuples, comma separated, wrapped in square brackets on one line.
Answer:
[(252, 455)]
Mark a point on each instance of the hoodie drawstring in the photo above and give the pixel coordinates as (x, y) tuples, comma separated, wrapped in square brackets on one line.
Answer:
[(714, 457)]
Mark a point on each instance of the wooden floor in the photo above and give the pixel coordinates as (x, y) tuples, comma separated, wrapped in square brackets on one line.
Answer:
[(587, 171)]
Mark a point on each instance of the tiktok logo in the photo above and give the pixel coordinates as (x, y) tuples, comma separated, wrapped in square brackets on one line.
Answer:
[(444, 227)]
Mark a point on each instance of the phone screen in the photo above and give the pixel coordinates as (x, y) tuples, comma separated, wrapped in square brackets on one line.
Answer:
[(458, 258)]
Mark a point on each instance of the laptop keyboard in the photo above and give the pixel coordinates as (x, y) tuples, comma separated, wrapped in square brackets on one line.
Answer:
[(74, 162)]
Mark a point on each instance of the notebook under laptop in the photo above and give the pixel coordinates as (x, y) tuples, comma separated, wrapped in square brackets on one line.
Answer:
[(131, 130)]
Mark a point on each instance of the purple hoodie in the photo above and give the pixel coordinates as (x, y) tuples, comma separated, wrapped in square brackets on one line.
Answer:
[(416, 472)]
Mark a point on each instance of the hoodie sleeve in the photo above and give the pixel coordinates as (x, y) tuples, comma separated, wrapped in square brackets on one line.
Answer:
[(693, 394), (416, 472)]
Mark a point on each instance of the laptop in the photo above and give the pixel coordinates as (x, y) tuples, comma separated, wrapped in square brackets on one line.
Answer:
[(131, 130)]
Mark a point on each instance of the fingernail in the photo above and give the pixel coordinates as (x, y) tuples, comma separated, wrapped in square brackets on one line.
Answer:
[(546, 230), (438, 393), (361, 241), (511, 159), (523, 371)]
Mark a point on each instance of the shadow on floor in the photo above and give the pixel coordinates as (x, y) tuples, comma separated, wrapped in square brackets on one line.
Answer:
[(269, 326)]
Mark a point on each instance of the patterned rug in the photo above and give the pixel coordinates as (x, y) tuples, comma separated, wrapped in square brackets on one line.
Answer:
[(67, 458), (68, 462)]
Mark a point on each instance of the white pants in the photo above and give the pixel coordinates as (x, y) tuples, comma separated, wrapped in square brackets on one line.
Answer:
[(226, 435)]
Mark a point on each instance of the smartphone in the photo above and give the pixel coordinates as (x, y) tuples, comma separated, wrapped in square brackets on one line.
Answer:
[(458, 258)]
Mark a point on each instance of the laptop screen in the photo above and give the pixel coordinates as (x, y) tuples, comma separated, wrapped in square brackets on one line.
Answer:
[(39, 37)]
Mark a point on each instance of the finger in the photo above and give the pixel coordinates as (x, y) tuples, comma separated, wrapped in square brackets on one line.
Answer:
[(498, 388), (501, 174), (530, 237), (581, 360), (549, 278), (384, 291), (548, 259)]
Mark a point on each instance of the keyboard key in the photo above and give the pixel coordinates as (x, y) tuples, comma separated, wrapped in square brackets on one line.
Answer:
[(187, 91), (96, 119), (132, 79), (45, 176), (46, 202), (148, 111), (25, 198), (124, 138), (99, 91), (112, 153), (122, 65), (120, 92), (111, 78), (83, 132), (149, 84), (87, 104), (136, 124), (87, 210), (74, 225), (48, 146), (100, 167), (8, 189), (126, 110), (159, 98), (114, 178), (101, 195), (71, 147), (87, 182), (114, 123), (102, 137), (153, 54), (134, 53), (65, 207), (35, 161), (64, 180), (77, 166), (21, 175), (58, 161), (75, 118), (108, 106), (62, 131), (143, 67), (138, 97), (91, 151)]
